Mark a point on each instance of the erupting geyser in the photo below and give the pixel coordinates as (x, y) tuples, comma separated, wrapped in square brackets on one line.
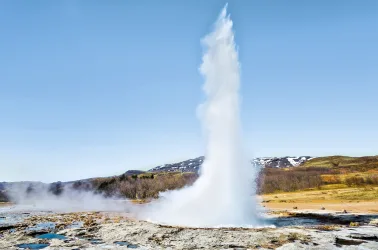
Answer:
[(224, 194)]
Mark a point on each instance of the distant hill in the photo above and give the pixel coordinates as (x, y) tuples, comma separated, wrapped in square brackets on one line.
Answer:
[(343, 161), (193, 165)]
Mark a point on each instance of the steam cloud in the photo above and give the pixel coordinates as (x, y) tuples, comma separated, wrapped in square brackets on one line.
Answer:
[(40, 198), (224, 194)]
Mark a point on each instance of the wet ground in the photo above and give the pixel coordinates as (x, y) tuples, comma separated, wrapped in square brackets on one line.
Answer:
[(23, 229)]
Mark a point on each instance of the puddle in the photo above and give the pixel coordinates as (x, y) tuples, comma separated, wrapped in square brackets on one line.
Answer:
[(14, 217), (125, 243), (75, 224), (45, 226), (50, 236), (32, 246), (358, 236), (132, 246), (11, 219), (122, 243), (292, 221), (96, 241), (317, 219)]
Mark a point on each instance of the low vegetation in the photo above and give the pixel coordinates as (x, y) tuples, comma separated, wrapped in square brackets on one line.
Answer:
[(286, 180), (142, 186), (321, 173)]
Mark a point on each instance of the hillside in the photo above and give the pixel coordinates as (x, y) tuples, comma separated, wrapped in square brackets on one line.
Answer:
[(358, 163), (323, 172)]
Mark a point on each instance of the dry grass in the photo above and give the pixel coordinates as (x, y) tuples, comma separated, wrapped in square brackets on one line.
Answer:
[(333, 199), (277, 241), (328, 227), (332, 194), (358, 194)]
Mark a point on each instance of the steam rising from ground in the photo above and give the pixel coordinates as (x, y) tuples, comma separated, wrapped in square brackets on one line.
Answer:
[(225, 191), (40, 198)]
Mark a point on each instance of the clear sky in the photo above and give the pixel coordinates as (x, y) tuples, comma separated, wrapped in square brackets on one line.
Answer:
[(94, 88)]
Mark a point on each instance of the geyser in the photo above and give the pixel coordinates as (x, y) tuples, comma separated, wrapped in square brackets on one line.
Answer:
[(224, 194)]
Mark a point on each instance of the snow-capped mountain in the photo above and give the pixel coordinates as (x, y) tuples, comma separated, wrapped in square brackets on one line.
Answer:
[(281, 162), (193, 165)]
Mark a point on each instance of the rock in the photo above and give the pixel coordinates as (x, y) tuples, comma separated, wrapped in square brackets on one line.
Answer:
[(340, 242), (6, 227), (359, 236), (373, 222), (55, 243)]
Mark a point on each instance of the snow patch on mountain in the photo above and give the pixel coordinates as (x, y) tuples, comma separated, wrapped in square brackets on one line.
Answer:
[(193, 165)]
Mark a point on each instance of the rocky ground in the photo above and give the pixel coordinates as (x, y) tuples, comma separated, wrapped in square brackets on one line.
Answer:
[(100, 230)]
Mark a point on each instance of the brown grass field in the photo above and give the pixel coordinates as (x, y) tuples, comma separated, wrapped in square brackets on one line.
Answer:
[(337, 199)]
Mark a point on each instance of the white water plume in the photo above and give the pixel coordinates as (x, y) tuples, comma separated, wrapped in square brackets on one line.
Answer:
[(225, 193)]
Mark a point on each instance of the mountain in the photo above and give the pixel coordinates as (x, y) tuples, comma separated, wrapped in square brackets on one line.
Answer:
[(193, 165), (281, 162)]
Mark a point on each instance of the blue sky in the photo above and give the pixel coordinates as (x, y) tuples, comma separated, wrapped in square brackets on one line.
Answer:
[(94, 88)]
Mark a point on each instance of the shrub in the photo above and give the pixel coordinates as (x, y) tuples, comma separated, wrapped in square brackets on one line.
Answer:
[(372, 179), (354, 181), (143, 186), (273, 180)]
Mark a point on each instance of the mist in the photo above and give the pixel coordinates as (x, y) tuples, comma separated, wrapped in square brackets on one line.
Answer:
[(41, 197)]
